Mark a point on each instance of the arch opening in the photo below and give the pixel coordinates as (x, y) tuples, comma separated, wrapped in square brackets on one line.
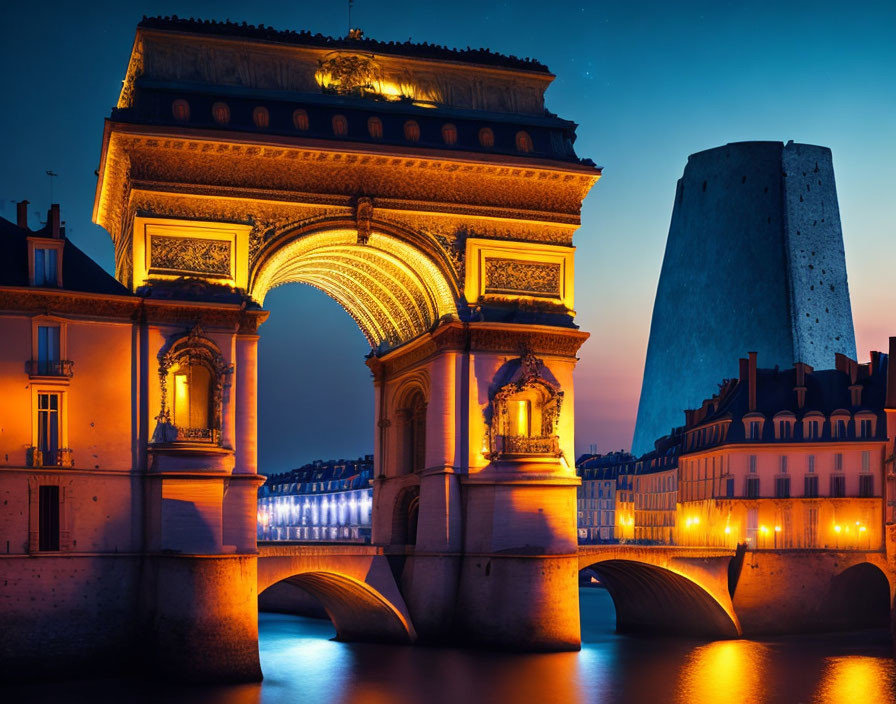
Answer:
[(859, 597), (405, 515), (652, 599), (391, 288), (357, 611)]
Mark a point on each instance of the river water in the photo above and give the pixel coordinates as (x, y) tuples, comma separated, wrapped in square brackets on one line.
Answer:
[(302, 664)]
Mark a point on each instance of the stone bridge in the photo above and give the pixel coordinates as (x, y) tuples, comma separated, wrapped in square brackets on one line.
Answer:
[(667, 589), (703, 592), (354, 583)]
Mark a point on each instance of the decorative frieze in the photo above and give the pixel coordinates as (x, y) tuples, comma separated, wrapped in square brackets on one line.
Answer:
[(189, 255), (511, 276)]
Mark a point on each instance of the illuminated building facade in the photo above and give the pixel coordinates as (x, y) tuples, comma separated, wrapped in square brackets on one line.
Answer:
[(604, 513), (322, 501), (655, 484), (431, 194), (788, 459)]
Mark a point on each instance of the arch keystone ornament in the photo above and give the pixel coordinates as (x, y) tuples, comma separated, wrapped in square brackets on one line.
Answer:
[(451, 253)]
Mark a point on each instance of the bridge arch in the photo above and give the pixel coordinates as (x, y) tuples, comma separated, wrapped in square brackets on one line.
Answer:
[(658, 591), (860, 596), (389, 281), (353, 584)]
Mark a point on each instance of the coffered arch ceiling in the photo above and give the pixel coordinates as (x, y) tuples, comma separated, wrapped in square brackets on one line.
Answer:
[(393, 291)]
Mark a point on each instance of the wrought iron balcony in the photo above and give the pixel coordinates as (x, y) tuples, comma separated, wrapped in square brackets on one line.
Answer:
[(521, 445), (63, 457), (43, 367), (205, 435)]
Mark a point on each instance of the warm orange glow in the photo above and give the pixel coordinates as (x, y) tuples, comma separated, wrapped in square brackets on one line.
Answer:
[(726, 670), (523, 415), (856, 678), (181, 400)]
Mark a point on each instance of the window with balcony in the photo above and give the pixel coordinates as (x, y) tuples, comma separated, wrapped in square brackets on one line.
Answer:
[(48, 426), (866, 485), (810, 486), (729, 488), (524, 413), (192, 374), (752, 488), (782, 487), (838, 485)]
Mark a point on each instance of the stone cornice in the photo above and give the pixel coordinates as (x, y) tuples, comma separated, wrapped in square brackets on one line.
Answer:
[(507, 338), (64, 302), (509, 186), (29, 301)]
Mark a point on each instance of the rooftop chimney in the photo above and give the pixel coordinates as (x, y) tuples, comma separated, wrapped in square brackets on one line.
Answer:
[(891, 375), (801, 370), (22, 214), (53, 220), (752, 372)]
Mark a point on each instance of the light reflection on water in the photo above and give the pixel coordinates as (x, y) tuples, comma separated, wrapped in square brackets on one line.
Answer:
[(302, 664)]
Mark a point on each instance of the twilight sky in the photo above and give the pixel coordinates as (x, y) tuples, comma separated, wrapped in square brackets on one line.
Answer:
[(649, 83)]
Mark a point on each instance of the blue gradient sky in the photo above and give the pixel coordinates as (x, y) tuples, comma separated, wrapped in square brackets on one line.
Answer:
[(649, 84)]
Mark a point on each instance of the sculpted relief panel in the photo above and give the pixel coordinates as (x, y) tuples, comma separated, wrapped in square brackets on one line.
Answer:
[(171, 255), (509, 276)]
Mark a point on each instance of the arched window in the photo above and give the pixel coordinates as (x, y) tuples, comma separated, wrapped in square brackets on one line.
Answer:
[(221, 113), (180, 109), (524, 413), (192, 375), (375, 127), (404, 517), (412, 433), (261, 117), (412, 131), (300, 120), (486, 137), (523, 142), (192, 395), (340, 125), (449, 134)]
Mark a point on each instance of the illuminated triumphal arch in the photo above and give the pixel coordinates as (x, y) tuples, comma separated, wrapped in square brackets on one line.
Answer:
[(431, 194)]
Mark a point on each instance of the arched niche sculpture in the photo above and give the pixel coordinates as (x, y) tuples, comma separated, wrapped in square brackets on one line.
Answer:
[(524, 414), (198, 374)]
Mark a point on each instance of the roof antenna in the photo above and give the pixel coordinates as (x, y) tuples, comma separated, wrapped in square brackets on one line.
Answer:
[(350, 3), (52, 176)]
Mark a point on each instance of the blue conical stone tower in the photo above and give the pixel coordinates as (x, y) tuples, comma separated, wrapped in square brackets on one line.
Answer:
[(754, 262)]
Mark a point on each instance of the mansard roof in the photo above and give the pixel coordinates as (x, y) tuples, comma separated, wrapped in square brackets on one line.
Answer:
[(826, 391), (422, 50), (79, 271), (316, 477)]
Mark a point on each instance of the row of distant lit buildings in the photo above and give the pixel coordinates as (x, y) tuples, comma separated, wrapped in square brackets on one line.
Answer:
[(325, 501), (777, 459)]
